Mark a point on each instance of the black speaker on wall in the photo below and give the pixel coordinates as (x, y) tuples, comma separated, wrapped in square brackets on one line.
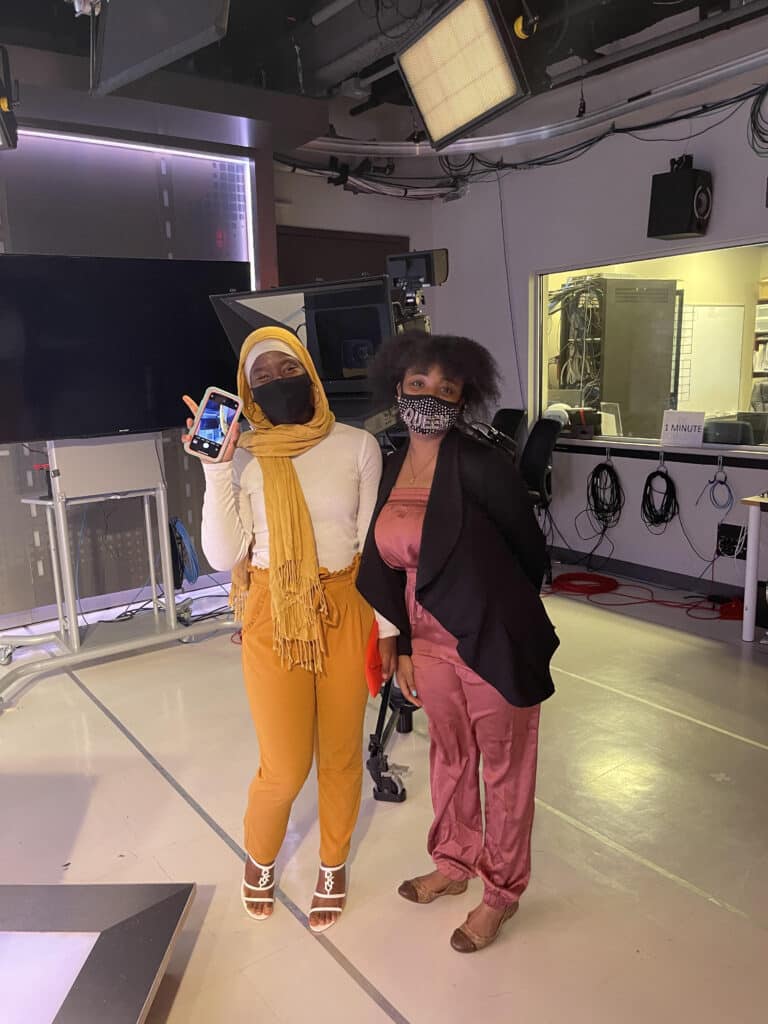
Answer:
[(681, 201)]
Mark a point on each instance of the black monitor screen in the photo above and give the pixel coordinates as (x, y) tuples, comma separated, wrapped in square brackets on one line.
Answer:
[(345, 326), (95, 346), (346, 340)]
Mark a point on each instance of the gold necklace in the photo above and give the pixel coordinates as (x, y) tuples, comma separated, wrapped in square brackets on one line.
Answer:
[(415, 475)]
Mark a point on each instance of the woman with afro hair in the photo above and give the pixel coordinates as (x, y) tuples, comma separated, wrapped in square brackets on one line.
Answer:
[(455, 559)]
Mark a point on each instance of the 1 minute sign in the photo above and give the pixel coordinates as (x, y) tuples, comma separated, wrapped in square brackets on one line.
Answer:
[(682, 429)]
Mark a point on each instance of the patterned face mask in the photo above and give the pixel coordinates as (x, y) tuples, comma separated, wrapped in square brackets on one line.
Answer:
[(424, 414)]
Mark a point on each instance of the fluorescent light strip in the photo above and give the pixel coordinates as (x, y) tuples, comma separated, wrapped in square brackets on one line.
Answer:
[(249, 221), (120, 144), (243, 162)]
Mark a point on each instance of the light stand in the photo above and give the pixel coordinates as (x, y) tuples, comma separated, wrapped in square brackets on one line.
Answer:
[(387, 781)]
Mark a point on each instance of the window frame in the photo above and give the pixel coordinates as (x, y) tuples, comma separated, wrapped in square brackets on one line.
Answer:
[(536, 372)]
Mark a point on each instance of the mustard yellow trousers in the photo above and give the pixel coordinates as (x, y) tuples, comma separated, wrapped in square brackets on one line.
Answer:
[(298, 714)]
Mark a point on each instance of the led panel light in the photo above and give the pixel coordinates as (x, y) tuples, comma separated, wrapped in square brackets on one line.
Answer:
[(462, 70)]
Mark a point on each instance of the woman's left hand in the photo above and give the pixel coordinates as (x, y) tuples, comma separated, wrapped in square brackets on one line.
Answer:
[(388, 654)]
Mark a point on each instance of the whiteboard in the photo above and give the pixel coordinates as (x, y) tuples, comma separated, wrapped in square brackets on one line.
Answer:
[(711, 355)]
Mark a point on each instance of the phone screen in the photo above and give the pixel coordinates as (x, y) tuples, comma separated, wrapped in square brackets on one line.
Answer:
[(216, 419)]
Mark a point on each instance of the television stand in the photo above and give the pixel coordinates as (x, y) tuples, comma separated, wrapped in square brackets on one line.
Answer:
[(83, 473)]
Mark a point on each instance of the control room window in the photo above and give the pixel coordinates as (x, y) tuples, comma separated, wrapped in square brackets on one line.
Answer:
[(623, 343)]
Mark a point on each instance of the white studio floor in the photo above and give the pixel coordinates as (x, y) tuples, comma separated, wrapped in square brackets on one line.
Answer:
[(649, 899)]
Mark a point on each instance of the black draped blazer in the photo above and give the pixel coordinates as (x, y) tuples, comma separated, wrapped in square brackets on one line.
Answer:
[(480, 569)]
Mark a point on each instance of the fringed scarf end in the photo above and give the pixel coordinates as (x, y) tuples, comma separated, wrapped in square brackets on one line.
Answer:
[(238, 599), (300, 614)]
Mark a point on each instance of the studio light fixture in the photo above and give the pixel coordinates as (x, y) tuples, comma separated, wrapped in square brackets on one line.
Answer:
[(462, 70), (135, 39), (9, 136)]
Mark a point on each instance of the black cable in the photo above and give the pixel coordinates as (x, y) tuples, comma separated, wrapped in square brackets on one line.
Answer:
[(703, 558), (605, 496), (578, 557), (758, 123), (605, 501), (474, 168), (505, 251), (599, 537), (693, 135), (659, 505), (217, 613)]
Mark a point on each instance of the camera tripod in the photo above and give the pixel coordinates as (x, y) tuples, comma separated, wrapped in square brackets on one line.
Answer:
[(388, 784)]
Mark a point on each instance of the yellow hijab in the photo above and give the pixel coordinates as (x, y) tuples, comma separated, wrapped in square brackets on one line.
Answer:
[(298, 598)]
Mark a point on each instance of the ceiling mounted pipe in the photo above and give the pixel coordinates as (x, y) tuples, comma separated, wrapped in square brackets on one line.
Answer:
[(704, 27), (691, 84), (326, 13)]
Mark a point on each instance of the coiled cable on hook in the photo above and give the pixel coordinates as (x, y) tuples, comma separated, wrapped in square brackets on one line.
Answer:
[(659, 504), (720, 492), (605, 496)]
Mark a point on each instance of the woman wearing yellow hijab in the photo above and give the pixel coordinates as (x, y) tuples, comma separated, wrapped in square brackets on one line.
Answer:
[(288, 513)]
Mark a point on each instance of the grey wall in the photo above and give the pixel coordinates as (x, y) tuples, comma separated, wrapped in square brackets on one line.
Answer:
[(588, 213), (72, 198)]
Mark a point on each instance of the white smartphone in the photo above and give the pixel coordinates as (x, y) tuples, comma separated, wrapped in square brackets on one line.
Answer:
[(217, 415)]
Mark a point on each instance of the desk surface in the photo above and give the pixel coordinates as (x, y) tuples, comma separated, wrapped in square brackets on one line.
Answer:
[(759, 500), (132, 930)]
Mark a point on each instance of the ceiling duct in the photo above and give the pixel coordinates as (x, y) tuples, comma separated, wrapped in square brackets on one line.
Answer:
[(321, 48), (343, 40)]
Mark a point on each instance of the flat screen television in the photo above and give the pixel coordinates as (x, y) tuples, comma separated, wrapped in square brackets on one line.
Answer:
[(92, 346)]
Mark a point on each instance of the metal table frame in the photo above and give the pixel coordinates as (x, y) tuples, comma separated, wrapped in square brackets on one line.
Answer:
[(56, 511), (10, 643), (756, 506), (83, 473)]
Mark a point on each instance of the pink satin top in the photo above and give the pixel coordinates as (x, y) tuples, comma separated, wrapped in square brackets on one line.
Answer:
[(398, 537)]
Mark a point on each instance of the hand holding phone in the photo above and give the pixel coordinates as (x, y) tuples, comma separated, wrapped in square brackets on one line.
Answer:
[(213, 429)]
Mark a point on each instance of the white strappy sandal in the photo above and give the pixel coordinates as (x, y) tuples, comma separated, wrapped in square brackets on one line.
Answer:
[(266, 884), (328, 894)]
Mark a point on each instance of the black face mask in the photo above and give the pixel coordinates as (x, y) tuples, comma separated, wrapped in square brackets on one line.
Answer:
[(285, 401), (427, 415)]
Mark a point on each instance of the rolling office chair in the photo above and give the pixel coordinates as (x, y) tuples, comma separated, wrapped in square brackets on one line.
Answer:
[(536, 470), (503, 431), (509, 422)]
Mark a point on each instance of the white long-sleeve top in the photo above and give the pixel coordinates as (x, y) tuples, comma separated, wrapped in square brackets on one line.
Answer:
[(340, 480)]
